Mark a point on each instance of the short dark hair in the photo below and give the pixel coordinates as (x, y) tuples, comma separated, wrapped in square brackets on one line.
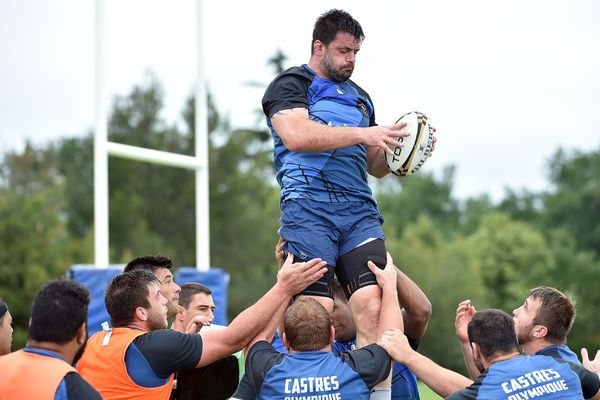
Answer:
[(126, 292), (58, 310), (188, 290), (330, 23), (556, 312), (3, 310), (149, 263), (307, 325), (494, 332)]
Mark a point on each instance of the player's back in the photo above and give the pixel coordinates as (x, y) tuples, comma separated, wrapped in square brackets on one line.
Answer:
[(525, 377)]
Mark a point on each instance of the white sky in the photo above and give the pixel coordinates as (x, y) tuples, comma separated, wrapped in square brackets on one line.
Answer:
[(505, 82)]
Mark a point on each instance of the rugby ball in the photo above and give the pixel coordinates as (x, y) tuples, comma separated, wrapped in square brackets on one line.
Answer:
[(417, 147)]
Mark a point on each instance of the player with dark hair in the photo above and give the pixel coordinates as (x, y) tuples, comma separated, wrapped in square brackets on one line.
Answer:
[(218, 380), (6, 329), (195, 299), (161, 267), (57, 337), (326, 143), (506, 374), (542, 324), (137, 357)]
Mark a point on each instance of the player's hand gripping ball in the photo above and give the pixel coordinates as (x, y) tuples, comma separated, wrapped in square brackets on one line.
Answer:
[(407, 160)]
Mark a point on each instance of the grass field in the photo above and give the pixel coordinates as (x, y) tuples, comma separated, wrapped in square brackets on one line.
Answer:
[(426, 394)]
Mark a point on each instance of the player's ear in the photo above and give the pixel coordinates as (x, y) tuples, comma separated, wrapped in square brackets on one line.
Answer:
[(285, 341), (539, 331), (141, 313), (318, 47), (180, 312), (82, 333), (476, 351), (331, 334)]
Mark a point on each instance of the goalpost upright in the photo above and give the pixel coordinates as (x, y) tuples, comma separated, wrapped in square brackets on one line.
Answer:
[(103, 148)]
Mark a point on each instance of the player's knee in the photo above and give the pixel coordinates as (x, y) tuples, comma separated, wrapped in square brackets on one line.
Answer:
[(367, 304)]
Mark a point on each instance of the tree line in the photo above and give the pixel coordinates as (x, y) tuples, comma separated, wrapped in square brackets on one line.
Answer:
[(490, 252)]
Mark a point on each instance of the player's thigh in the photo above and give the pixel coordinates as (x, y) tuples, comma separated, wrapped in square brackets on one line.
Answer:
[(321, 290), (309, 231), (352, 270)]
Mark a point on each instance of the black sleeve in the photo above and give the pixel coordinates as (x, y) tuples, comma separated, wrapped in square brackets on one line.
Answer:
[(590, 382), (371, 362), (465, 394), (167, 350), (245, 391), (261, 357), (79, 389), (287, 91), (414, 343)]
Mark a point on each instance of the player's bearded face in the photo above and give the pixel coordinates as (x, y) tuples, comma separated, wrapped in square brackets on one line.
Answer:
[(336, 72), (81, 350), (524, 332)]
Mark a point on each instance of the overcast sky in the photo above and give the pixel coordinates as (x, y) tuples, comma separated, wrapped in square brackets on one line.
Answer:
[(505, 82)]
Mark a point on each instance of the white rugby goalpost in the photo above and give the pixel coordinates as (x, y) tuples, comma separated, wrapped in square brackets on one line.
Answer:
[(103, 148)]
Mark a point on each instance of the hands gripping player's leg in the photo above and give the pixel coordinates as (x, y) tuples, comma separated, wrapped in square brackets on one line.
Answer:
[(364, 297)]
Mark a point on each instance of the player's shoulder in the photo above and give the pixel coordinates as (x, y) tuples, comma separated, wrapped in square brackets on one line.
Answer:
[(358, 88), (294, 74), (559, 352), (166, 341), (79, 388), (471, 392)]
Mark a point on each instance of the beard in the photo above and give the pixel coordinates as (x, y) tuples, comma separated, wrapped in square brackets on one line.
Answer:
[(524, 334), (172, 308), (335, 74), (80, 351), (156, 321)]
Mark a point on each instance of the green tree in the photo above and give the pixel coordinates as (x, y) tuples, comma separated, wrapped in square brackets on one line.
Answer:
[(574, 204), (403, 200), (446, 273), (35, 245), (512, 256)]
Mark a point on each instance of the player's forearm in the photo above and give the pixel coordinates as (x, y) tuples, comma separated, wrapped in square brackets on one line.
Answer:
[(250, 322), (417, 306), (469, 360), (304, 135), (269, 331), (441, 380), (390, 315)]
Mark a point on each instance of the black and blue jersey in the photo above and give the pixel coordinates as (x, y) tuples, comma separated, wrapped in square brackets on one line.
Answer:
[(332, 176), (404, 381), (559, 352), (531, 377), (315, 375)]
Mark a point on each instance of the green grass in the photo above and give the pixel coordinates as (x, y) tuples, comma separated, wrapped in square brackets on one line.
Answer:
[(427, 394)]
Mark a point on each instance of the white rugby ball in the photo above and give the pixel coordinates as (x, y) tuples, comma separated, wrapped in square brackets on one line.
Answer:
[(417, 147)]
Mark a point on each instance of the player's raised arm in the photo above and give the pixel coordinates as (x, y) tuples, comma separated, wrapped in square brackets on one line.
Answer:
[(301, 134), (291, 279)]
